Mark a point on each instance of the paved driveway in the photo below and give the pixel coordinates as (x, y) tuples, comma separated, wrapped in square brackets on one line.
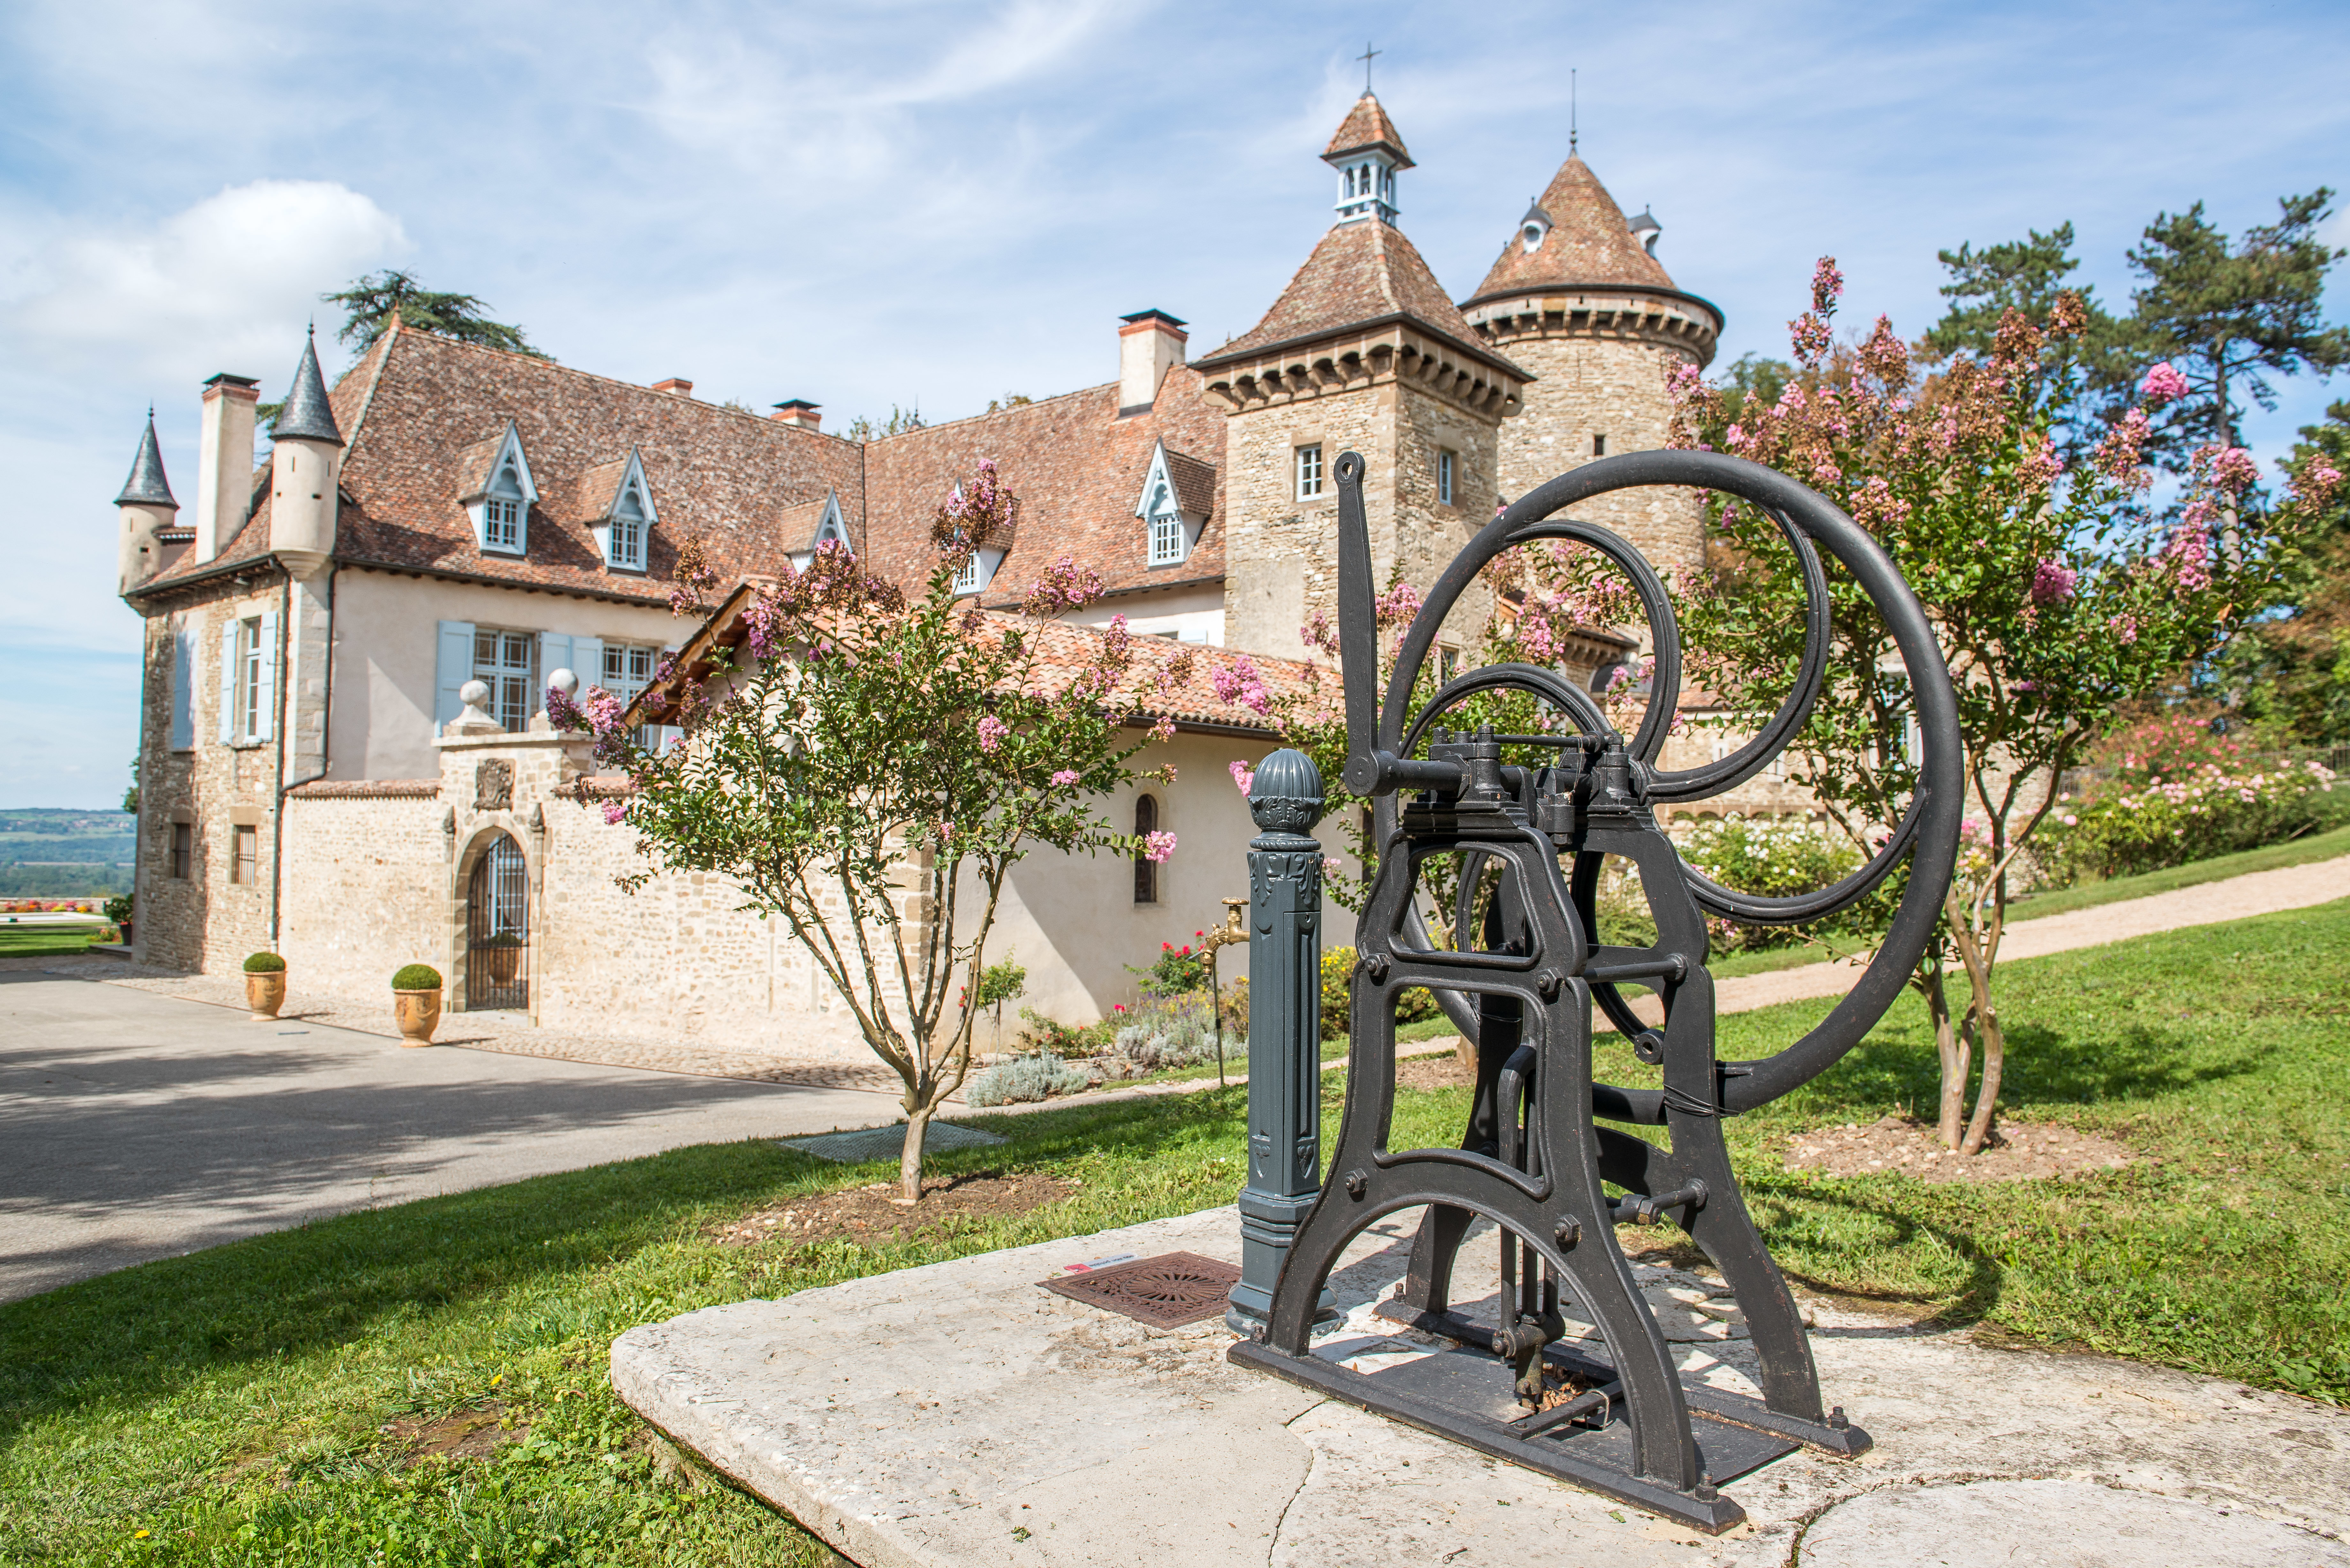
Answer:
[(136, 1127)]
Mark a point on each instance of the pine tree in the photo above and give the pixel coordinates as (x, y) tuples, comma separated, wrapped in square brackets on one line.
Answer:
[(371, 303)]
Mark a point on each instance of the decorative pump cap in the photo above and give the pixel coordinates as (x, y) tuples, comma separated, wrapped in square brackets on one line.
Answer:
[(1285, 795)]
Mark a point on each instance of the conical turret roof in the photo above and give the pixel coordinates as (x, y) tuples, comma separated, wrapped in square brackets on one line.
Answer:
[(1367, 125), (1585, 243), (147, 485), (1359, 274), (308, 416)]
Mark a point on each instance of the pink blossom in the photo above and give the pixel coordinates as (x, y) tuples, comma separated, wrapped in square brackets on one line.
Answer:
[(1330, 864), (1827, 285), (2070, 820), (1164, 730), (1400, 603), (1244, 775), (2052, 582), (991, 731), (2162, 385), (1063, 587), (613, 812), (1158, 846), (2125, 629), (2315, 483), (1810, 336), (1319, 633), (2189, 554), (1065, 778), (2039, 468), (2232, 469), (602, 710), (1243, 683), (2118, 454)]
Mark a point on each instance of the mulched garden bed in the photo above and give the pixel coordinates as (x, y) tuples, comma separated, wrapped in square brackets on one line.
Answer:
[(866, 1216), (2017, 1151)]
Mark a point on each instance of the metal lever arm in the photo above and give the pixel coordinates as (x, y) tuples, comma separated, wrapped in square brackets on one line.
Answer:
[(1371, 769)]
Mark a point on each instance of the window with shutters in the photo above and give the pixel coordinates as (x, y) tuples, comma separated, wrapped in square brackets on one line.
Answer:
[(244, 855), (251, 682), (505, 662), (629, 670)]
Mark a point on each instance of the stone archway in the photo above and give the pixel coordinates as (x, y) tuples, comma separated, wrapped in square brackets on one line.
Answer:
[(498, 926)]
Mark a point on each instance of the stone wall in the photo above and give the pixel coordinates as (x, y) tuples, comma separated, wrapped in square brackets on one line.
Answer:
[(206, 921), (367, 872), (1282, 553), (1609, 387)]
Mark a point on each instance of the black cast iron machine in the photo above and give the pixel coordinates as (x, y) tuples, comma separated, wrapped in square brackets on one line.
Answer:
[(1525, 969)]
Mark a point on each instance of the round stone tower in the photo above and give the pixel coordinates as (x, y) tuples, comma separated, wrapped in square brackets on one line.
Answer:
[(1579, 299)]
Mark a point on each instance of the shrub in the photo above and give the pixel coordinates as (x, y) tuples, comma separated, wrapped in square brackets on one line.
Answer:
[(1026, 1078), (2191, 816), (1412, 1005), (118, 909), (1059, 1039), (1169, 1033), (1777, 859), (1175, 971), (264, 963), (505, 940), (417, 977)]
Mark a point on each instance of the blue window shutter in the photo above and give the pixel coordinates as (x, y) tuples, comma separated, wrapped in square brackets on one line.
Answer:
[(183, 690), (266, 725), (589, 652), (555, 651), (228, 681), (455, 667)]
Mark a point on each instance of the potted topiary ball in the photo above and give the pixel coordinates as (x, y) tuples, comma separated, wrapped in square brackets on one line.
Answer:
[(265, 985), (416, 1002)]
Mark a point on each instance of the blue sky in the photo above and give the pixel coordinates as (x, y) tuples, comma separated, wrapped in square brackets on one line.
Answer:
[(879, 203)]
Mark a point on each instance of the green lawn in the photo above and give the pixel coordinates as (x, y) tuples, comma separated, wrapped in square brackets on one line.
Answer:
[(2317, 846), (35, 942), (230, 1403)]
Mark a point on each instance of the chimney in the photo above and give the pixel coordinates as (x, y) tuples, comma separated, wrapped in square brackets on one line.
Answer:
[(224, 462), (1149, 345), (678, 384), (799, 411)]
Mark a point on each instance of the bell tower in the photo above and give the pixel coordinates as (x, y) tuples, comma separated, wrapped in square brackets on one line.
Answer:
[(1363, 351), (1578, 298)]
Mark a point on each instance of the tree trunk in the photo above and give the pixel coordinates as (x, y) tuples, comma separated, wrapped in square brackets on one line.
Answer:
[(1982, 1014), (1953, 1048), (909, 1159)]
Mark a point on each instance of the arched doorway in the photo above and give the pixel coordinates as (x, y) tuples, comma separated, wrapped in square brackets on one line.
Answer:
[(497, 928)]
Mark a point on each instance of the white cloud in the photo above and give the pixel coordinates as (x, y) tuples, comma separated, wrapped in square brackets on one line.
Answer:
[(226, 283)]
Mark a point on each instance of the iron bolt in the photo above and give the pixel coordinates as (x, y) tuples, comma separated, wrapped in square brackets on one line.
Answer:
[(1548, 983), (1374, 965), (1570, 1232), (1356, 1184)]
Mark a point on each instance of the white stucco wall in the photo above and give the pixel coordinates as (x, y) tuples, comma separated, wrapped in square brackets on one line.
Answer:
[(386, 654)]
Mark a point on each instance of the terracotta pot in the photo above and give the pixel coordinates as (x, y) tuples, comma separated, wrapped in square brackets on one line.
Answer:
[(418, 1013), (265, 993), (505, 964)]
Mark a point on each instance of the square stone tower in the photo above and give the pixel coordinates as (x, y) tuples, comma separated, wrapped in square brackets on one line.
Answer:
[(1578, 298), (1363, 352)]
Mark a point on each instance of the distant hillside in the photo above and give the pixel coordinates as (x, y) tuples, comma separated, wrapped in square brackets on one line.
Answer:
[(59, 854)]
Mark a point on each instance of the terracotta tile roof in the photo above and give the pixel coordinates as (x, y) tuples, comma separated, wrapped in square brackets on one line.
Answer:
[(1066, 649), (795, 527), (1587, 242), (417, 411), (1077, 468), (1368, 125), (1362, 271)]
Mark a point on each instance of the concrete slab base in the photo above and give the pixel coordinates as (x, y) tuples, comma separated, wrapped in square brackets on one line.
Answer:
[(957, 1415)]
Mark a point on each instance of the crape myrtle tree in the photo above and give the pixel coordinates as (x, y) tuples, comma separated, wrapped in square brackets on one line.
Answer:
[(2055, 595), (869, 766)]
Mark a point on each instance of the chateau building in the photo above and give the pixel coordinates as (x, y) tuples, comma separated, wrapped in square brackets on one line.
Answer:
[(313, 780)]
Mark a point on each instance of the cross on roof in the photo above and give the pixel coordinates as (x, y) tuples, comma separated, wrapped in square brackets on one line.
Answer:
[(1366, 56)]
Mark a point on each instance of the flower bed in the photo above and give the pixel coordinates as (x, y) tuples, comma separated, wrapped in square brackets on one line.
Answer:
[(2202, 811)]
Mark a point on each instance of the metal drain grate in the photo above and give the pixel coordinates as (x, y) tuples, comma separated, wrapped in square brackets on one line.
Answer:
[(1165, 1291)]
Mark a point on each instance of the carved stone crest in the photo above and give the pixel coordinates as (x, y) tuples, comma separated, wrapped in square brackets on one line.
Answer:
[(493, 785)]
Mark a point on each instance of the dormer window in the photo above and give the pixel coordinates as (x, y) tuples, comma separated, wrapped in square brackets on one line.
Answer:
[(629, 535), (977, 571), (625, 529), (1172, 527), (500, 500), (501, 523), (1533, 227)]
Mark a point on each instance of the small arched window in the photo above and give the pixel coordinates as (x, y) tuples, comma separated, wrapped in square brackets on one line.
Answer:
[(1145, 869)]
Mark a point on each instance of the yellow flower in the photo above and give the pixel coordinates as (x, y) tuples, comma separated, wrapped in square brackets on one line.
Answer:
[(138, 1535), (501, 1378)]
